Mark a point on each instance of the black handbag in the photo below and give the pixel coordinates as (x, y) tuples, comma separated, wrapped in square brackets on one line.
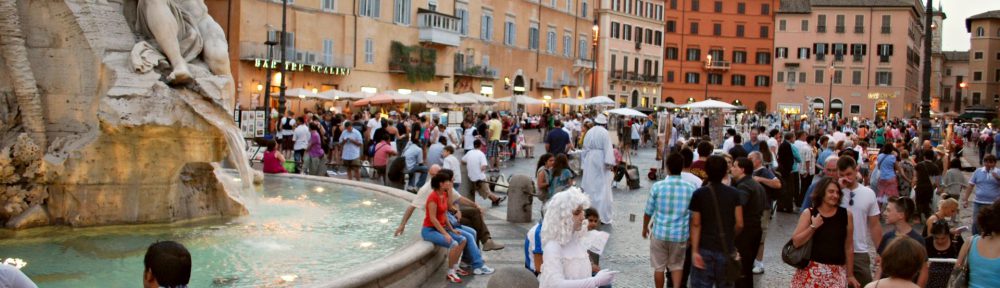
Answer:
[(733, 268), (797, 257), (960, 275)]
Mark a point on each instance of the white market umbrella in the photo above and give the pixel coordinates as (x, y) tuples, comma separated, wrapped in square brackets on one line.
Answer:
[(478, 98), (709, 104), (569, 101), (626, 112), (600, 101), (668, 105), (300, 93), (334, 94), (521, 99), (457, 99), (432, 98)]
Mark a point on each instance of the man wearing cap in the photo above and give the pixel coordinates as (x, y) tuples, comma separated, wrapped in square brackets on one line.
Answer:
[(598, 159)]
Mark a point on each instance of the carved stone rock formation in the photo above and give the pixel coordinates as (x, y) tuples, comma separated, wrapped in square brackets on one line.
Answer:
[(125, 147)]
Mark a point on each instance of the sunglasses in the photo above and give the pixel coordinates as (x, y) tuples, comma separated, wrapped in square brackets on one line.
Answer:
[(851, 202)]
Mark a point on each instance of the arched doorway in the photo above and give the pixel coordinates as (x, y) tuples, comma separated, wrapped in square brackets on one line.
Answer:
[(519, 85), (760, 107), (818, 106), (837, 107), (669, 100), (635, 98), (881, 110)]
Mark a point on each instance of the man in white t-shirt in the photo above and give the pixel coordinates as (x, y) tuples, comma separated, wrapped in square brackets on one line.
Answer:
[(300, 137), (469, 135), (374, 123), (862, 204), (476, 165)]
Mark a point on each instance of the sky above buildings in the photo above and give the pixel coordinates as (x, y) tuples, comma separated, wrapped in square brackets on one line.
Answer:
[(955, 35)]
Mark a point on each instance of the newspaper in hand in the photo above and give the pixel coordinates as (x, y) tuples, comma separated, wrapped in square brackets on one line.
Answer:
[(596, 240)]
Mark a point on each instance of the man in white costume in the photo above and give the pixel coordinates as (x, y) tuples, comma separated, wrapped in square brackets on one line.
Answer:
[(598, 158)]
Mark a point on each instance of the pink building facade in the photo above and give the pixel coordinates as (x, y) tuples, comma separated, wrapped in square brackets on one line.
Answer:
[(848, 58), (630, 51)]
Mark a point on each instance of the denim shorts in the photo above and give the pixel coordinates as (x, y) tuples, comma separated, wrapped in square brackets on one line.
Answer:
[(430, 234)]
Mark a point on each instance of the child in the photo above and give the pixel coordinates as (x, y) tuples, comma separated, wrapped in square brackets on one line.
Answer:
[(593, 222)]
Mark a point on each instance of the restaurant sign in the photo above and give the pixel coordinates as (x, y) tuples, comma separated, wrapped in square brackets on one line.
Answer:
[(301, 67)]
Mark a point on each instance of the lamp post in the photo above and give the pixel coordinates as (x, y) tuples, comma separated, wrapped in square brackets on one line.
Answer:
[(925, 95), (284, 56), (958, 98), (708, 73), (267, 86), (593, 72), (829, 97)]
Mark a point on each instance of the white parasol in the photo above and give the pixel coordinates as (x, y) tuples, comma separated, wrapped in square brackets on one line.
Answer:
[(570, 101), (626, 112), (709, 104), (600, 101), (521, 99)]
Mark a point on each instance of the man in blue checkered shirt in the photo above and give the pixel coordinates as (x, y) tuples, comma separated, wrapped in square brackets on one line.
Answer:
[(667, 207)]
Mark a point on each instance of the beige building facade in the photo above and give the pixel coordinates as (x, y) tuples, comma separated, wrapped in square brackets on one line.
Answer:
[(849, 58), (984, 60), (495, 48)]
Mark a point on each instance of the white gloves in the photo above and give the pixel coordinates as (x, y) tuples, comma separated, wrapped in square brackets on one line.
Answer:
[(605, 277)]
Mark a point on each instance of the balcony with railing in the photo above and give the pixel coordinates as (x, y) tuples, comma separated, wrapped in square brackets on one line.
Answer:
[(438, 28), (583, 64), (619, 75), (548, 84), (476, 71), (717, 65), (567, 82)]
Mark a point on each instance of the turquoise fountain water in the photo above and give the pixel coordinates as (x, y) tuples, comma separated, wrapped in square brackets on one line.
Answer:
[(299, 232)]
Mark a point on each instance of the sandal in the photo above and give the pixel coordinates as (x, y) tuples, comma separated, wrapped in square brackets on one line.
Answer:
[(454, 278)]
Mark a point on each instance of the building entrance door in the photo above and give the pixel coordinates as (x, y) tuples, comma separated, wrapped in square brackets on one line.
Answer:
[(881, 110)]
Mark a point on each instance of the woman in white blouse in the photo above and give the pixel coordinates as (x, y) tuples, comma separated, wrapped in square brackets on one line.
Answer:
[(565, 263)]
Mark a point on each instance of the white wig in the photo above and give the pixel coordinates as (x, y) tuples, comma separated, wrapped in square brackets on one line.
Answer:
[(558, 222)]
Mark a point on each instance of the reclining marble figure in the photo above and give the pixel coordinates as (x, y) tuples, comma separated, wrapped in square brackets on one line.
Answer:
[(184, 30)]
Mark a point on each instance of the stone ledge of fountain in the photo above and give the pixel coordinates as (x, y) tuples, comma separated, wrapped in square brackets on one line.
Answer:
[(414, 263)]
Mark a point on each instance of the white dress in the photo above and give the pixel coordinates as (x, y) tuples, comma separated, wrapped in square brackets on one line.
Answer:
[(596, 182), (566, 266)]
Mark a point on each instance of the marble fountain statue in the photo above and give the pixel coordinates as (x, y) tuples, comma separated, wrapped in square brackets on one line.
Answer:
[(116, 131)]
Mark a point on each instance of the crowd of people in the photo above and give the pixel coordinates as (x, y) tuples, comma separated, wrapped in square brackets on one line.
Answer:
[(876, 207)]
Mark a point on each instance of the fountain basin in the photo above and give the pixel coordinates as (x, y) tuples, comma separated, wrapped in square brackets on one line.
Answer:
[(302, 231)]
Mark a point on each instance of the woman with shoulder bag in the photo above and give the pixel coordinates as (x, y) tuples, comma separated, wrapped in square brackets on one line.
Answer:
[(981, 255), (829, 227)]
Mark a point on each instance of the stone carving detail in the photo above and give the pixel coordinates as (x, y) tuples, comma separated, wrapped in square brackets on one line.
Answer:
[(134, 95)]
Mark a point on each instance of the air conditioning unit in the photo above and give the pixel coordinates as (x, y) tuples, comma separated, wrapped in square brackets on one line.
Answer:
[(310, 57), (299, 56)]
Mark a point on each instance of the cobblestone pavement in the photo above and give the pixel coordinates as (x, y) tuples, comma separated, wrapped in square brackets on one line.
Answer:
[(626, 250)]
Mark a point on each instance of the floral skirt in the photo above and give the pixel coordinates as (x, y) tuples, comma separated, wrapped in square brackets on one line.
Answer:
[(820, 275)]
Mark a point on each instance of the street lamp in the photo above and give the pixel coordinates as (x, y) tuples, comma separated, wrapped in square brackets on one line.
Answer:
[(958, 98), (708, 73), (829, 97), (925, 95), (593, 72), (267, 83), (284, 56)]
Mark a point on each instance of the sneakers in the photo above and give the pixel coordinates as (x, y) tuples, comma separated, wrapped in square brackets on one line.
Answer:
[(758, 267), (453, 278), (462, 272), (490, 245), (485, 270)]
